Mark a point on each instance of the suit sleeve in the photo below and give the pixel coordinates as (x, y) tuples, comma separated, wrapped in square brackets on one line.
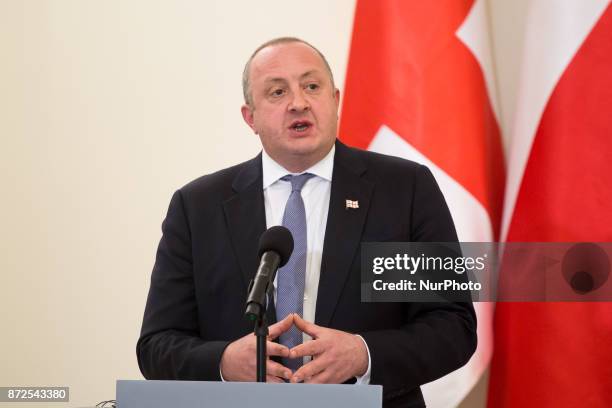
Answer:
[(170, 347), (435, 338)]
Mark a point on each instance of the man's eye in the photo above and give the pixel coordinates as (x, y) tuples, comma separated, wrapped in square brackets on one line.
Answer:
[(312, 87), (277, 92)]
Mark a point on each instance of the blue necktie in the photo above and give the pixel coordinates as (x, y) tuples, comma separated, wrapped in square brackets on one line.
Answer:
[(291, 277)]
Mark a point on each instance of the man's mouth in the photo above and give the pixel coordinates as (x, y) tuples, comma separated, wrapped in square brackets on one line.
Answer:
[(300, 125)]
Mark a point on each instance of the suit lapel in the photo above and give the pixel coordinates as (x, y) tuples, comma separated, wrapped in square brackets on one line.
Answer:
[(246, 217), (344, 229)]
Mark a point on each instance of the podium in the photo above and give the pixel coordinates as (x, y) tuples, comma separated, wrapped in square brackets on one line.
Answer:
[(205, 394)]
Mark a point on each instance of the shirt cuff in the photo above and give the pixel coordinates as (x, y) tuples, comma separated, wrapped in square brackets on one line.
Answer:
[(364, 379)]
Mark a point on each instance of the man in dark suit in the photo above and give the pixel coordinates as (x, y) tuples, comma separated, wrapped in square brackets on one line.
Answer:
[(194, 326)]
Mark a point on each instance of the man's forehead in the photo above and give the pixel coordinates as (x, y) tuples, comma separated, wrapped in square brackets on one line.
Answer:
[(279, 58)]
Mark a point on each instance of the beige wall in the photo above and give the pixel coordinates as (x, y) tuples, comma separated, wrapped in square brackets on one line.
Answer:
[(106, 107)]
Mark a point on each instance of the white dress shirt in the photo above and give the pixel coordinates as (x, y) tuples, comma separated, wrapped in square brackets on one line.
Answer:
[(315, 194)]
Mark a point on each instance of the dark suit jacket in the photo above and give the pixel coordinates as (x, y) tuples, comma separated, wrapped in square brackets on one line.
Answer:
[(208, 255)]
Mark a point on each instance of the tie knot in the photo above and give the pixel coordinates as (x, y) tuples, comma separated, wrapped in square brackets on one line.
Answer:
[(297, 182)]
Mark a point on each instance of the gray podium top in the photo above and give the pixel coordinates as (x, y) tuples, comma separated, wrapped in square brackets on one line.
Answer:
[(204, 394)]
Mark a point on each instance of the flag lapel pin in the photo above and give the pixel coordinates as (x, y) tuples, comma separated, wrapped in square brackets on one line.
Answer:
[(352, 204)]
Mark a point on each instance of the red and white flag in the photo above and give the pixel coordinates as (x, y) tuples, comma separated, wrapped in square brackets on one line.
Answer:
[(420, 86), (560, 190)]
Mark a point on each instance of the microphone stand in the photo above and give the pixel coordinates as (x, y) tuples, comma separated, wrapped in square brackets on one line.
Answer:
[(256, 307), (256, 312), (261, 333)]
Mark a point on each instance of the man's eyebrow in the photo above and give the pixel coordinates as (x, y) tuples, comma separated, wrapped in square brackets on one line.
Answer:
[(274, 80), (309, 73)]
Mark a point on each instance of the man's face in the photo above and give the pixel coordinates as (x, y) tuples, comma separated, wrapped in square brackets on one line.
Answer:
[(294, 106)]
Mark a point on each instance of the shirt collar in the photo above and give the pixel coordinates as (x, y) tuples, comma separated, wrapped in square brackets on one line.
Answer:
[(272, 171)]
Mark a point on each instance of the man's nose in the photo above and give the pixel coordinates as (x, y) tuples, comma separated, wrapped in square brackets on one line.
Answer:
[(299, 103)]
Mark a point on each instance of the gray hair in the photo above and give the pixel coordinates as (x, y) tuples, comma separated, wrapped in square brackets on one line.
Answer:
[(246, 83)]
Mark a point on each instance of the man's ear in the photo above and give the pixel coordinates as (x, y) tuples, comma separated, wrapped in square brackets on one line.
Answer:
[(337, 97), (247, 115)]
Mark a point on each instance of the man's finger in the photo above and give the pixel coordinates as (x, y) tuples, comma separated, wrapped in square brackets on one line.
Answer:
[(309, 328), (279, 328), (309, 348), (275, 349), (277, 370), (274, 379), (322, 378), (309, 370)]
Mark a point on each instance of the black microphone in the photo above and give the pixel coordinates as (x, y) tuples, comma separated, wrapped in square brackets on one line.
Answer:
[(275, 248)]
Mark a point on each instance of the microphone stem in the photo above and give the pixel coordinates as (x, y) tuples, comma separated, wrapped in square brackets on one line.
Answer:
[(261, 332)]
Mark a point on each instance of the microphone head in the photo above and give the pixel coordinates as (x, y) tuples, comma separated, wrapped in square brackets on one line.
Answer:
[(279, 240)]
